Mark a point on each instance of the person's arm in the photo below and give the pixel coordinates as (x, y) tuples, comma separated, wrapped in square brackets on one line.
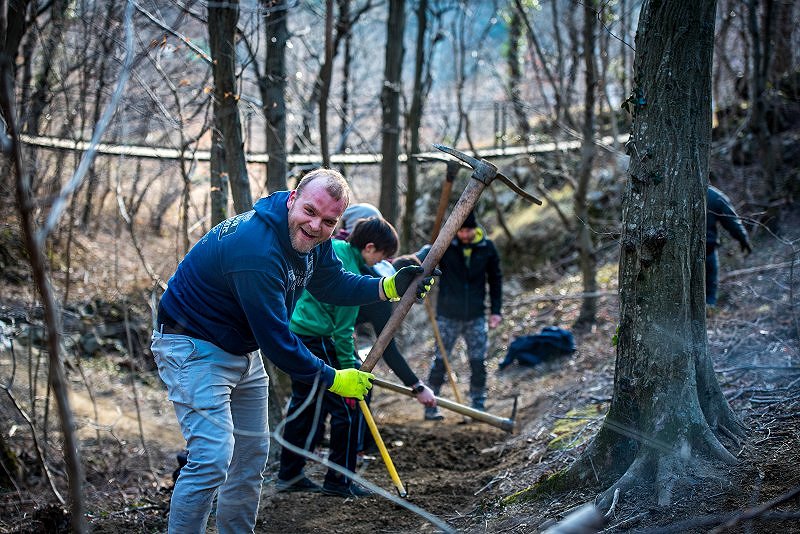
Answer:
[(332, 284), (730, 220)]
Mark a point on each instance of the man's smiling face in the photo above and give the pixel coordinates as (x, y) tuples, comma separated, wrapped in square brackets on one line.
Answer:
[(313, 215)]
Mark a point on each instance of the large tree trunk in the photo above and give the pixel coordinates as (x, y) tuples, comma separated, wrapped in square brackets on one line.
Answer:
[(390, 106), (274, 101), (667, 411), (222, 19), (587, 260)]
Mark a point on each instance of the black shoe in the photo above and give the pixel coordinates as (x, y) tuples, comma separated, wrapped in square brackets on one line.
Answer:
[(349, 490), (433, 414), (304, 484)]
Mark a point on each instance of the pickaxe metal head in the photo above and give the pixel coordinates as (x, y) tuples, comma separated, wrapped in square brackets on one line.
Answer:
[(486, 172)]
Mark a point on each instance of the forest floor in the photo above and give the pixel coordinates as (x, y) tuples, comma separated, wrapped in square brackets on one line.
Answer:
[(461, 471)]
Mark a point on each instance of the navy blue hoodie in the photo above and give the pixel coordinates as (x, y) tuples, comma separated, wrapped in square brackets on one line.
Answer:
[(237, 288)]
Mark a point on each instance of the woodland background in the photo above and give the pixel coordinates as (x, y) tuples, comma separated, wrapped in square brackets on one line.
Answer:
[(133, 127)]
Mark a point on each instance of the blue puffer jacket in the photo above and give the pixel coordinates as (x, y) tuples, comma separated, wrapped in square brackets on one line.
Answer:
[(719, 209), (237, 288)]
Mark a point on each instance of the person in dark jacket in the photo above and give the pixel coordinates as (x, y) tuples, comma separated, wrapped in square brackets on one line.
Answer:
[(720, 210), (468, 265), (232, 294)]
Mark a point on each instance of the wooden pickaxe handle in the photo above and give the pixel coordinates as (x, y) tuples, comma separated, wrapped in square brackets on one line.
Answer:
[(495, 421)]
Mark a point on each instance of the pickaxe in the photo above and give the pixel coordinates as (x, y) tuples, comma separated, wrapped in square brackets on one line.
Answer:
[(483, 173), (499, 422)]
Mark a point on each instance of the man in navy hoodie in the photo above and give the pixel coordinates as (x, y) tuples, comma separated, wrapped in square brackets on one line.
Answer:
[(233, 294)]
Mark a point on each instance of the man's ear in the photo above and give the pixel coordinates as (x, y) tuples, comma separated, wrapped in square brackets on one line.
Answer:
[(291, 199), (370, 247)]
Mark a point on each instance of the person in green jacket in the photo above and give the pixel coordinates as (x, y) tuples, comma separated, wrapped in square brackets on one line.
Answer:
[(327, 331)]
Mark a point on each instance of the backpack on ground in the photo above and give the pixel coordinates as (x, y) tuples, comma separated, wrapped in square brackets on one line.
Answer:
[(551, 343)]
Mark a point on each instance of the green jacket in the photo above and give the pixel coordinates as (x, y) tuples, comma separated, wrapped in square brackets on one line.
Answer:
[(314, 318)]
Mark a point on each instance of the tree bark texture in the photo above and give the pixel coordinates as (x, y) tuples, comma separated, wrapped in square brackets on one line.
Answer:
[(667, 410), (587, 260), (390, 110), (275, 23), (222, 19)]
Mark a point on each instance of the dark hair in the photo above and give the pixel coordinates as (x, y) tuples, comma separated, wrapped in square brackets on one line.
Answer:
[(377, 231), (406, 260), (470, 221)]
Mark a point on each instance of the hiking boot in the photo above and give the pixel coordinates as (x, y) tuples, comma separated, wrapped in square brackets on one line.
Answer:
[(479, 404), (433, 414), (345, 490), (291, 486)]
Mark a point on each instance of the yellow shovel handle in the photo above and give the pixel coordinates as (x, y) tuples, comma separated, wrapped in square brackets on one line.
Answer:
[(387, 460)]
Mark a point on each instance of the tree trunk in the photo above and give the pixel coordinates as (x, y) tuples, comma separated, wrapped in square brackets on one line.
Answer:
[(667, 411), (325, 85), (390, 110), (274, 101), (761, 36), (347, 67), (515, 75), (587, 261), (222, 19), (413, 122), (218, 180)]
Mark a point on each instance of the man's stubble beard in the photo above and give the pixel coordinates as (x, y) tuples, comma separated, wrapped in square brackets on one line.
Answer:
[(294, 233)]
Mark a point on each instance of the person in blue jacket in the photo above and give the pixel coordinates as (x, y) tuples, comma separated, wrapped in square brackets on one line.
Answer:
[(719, 209), (232, 294)]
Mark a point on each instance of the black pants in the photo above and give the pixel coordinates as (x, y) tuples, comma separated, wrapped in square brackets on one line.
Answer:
[(303, 430)]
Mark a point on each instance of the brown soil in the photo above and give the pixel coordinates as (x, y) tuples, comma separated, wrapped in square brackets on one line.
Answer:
[(461, 472)]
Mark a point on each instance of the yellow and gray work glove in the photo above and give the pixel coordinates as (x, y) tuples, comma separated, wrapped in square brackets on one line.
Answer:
[(351, 383), (396, 285)]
